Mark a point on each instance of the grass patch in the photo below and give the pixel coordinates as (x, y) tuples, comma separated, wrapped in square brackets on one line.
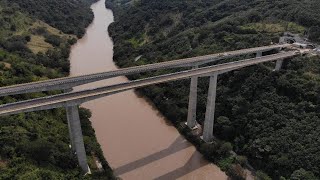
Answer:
[(3, 164), (51, 29), (37, 44), (92, 163), (275, 27), (225, 163), (138, 41), (7, 65), (17, 23), (311, 76), (294, 27), (264, 27)]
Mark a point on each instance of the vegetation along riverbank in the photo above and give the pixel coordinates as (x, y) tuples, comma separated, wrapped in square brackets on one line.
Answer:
[(270, 119), (35, 41)]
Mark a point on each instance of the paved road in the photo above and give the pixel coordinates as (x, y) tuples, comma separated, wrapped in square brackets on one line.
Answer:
[(69, 82), (75, 98)]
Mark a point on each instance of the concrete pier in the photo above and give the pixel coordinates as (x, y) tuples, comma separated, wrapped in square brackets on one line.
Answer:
[(69, 119), (192, 107), (211, 102), (278, 65), (76, 137)]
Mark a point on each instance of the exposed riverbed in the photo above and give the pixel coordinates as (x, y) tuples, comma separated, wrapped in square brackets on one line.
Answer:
[(136, 140)]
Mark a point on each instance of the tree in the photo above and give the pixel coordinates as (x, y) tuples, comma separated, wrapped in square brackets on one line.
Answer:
[(42, 174), (260, 175), (225, 148), (236, 172), (13, 27), (39, 150), (314, 33), (53, 39), (302, 174)]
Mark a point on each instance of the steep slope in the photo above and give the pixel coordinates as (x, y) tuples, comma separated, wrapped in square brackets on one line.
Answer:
[(270, 117)]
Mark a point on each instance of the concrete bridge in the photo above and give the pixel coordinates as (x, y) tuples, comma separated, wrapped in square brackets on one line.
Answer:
[(69, 82), (70, 100)]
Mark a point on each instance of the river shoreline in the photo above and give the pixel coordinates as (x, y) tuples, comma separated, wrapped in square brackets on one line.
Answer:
[(135, 137)]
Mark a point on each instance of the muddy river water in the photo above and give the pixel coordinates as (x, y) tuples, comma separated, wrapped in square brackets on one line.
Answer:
[(135, 138)]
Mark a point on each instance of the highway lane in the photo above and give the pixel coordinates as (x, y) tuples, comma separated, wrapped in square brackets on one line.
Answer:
[(69, 82), (73, 98)]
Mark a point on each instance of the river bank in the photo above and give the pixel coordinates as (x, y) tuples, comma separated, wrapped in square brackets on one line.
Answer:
[(136, 141)]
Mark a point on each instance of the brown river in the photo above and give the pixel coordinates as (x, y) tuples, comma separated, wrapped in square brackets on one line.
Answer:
[(136, 140)]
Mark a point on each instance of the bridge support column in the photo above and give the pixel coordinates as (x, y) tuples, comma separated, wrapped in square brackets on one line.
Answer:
[(76, 137), (259, 54), (192, 107), (211, 102), (278, 65), (69, 119)]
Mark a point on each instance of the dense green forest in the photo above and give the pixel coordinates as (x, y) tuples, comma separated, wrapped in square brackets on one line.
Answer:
[(36, 145), (71, 17), (270, 118)]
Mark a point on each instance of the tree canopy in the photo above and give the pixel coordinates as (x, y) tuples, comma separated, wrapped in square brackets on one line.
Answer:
[(36, 145), (270, 117)]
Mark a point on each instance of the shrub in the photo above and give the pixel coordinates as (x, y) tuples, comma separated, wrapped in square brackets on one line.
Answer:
[(302, 174), (225, 148), (237, 172), (242, 160), (39, 150), (53, 39), (260, 175)]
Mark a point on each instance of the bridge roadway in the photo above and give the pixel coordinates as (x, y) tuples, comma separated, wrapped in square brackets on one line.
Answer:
[(69, 82), (76, 98)]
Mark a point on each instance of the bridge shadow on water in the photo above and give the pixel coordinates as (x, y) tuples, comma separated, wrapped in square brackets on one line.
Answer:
[(185, 169), (195, 162)]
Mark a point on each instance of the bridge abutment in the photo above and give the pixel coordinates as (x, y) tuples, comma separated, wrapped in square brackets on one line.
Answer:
[(210, 110), (192, 107), (76, 137)]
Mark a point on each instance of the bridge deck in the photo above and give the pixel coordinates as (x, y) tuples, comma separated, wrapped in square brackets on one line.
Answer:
[(74, 98), (69, 82)]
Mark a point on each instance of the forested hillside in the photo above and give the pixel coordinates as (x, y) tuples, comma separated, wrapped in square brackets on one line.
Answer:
[(36, 145), (71, 16), (272, 118)]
